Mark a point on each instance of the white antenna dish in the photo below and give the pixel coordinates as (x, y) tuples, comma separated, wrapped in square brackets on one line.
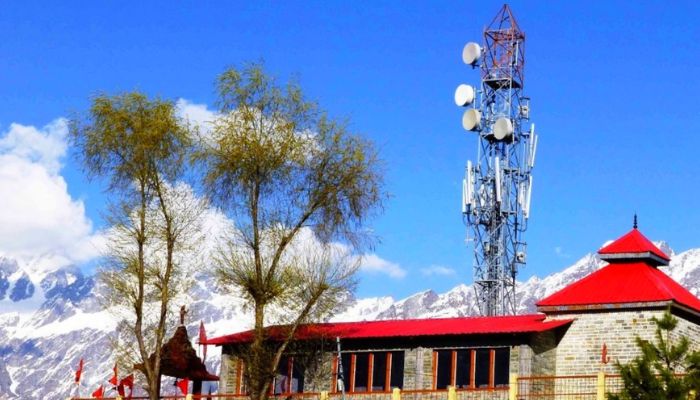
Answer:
[(471, 53), (471, 120), (502, 128), (464, 95)]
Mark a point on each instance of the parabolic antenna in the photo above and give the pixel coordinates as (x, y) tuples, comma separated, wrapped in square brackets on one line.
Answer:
[(471, 53), (471, 120), (464, 95), (502, 129)]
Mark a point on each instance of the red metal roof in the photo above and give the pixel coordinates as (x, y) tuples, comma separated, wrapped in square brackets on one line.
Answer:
[(633, 242), (620, 283), (410, 328)]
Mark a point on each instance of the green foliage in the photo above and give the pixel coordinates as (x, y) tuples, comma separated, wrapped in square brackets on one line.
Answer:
[(665, 369), (300, 186), (139, 146)]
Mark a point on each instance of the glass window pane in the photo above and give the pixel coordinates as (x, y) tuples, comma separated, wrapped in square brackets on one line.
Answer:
[(444, 369), (501, 367), (297, 377), (379, 372), (345, 362), (361, 371), (282, 378), (481, 372), (464, 367), (397, 369)]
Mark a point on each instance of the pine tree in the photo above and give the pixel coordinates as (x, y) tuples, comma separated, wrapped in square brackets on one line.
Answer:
[(656, 374)]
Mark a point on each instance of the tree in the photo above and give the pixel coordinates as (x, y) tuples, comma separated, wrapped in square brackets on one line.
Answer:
[(300, 187), (664, 370), (139, 146)]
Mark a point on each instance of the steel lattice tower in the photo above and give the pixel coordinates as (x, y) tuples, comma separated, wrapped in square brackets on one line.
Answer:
[(497, 188)]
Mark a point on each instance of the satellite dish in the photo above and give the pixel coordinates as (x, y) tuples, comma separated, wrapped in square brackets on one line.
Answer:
[(471, 120), (502, 129), (471, 53), (464, 95)]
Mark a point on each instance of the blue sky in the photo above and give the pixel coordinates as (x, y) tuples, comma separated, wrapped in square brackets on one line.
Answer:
[(613, 89)]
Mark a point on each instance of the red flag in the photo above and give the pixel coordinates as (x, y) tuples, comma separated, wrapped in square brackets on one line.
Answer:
[(127, 382), (98, 393), (79, 371), (113, 380), (184, 385), (203, 339)]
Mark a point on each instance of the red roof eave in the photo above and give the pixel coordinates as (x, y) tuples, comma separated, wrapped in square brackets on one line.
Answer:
[(618, 284), (410, 328)]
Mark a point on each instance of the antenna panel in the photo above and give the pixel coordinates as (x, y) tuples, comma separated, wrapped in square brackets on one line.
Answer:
[(526, 211), (497, 182), (464, 195)]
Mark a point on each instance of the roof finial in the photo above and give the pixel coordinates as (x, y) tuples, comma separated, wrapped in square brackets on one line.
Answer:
[(635, 221)]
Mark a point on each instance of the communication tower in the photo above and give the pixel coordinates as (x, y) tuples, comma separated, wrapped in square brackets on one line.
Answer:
[(497, 187)]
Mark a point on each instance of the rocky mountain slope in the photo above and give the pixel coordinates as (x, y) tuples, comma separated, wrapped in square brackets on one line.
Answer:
[(49, 320)]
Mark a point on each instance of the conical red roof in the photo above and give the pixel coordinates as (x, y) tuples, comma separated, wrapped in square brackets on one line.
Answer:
[(630, 278), (634, 246)]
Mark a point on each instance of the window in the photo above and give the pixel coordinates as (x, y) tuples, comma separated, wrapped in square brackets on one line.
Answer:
[(443, 369), (482, 368), (361, 372), (370, 371), (471, 368), (501, 367), (289, 378), (464, 369), (396, 370), (379, 372)]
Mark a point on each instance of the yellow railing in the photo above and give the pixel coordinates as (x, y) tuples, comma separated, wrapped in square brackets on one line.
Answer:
[(575, 387)]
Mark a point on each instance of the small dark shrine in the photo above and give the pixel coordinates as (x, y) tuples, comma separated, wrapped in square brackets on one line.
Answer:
[(179, 359)]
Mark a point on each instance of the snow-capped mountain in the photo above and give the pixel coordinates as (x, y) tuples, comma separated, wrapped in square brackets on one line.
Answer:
[(49, 321)]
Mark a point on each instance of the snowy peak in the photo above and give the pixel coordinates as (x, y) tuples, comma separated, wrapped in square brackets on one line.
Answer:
[(22, 289)]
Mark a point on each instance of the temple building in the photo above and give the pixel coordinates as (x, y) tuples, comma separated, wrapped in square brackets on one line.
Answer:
[(580, 330)]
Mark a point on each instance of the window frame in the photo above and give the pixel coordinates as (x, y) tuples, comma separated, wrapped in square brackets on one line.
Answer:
[(351, 374), (472, 367), (287, 390)]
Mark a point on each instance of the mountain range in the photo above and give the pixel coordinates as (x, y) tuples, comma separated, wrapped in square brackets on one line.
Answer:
[(49, 320)]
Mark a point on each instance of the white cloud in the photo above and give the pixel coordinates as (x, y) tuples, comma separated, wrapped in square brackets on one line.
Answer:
[(198, 115), (374, 264), (37, 214), (438, 270), (44, 146)]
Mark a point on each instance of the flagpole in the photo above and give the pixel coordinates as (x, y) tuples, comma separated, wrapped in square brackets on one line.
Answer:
[(341, 376)]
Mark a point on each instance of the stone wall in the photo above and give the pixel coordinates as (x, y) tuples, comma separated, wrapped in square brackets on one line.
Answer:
[(580, 350), (690, 330), (543, 354), (227, 375)]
